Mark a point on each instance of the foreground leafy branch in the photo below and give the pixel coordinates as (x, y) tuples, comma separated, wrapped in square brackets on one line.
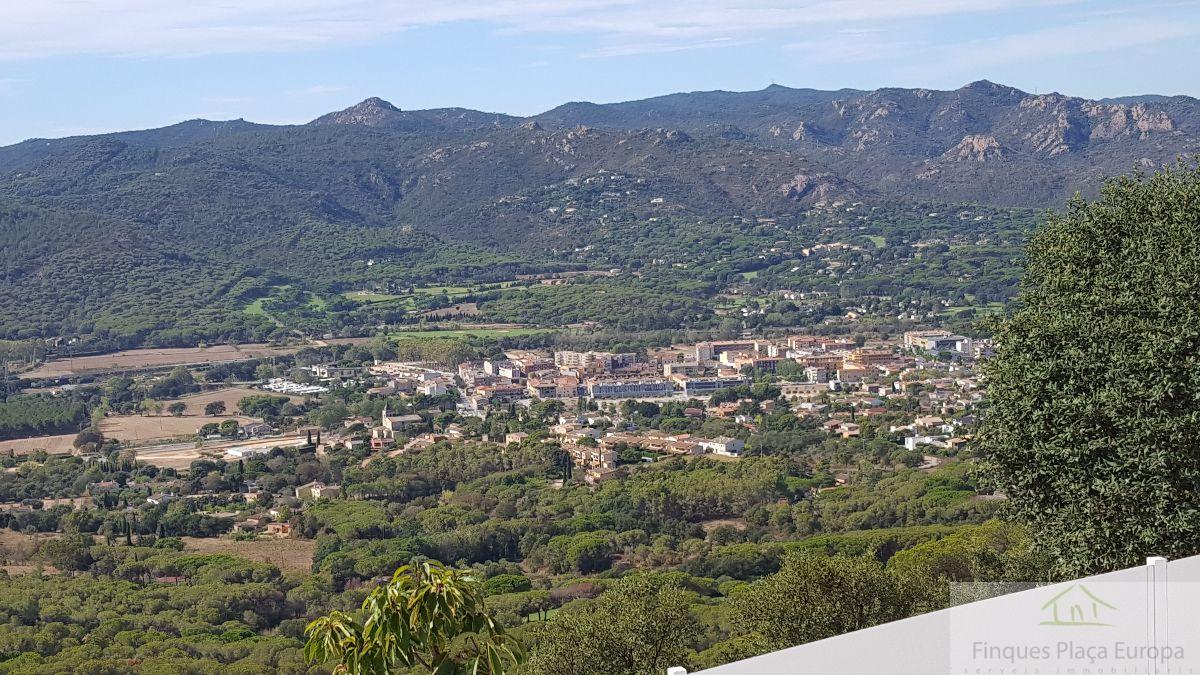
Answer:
[(428, 617)]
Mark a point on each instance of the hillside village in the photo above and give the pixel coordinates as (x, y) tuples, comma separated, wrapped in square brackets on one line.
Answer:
[(922, 387), (721, 399)]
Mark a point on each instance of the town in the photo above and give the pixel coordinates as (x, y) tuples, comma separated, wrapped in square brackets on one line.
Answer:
[(919, 390)]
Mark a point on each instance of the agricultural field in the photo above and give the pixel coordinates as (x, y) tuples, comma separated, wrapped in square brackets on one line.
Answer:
[(289, 555), (230, 397), (55, 445), (461, 309), (144, 428), (180, 455), (134, 359)]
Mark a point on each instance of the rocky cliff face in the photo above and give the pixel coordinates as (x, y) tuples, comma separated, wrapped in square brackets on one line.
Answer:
[(975, 147), (768, 151), (981, 142)]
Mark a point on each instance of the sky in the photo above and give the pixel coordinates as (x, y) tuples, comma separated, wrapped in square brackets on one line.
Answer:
[(70, 67)]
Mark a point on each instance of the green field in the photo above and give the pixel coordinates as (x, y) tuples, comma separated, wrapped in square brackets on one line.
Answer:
[(408, 300), (877, 240), (990, 308), (451, 291), (255, 308), (369, 297), (466, 332)]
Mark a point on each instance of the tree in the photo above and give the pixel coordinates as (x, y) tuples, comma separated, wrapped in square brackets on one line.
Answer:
[(229, 428), (214, 408), (1094, 415), (88, 440), (429, 617), (70, 552), (330, 415), (641, 625), (506, 583), (815, 597), (177, 408)]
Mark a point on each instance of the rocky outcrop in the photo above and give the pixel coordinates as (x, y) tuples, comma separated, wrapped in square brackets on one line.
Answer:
[(813, 187), (671, 137), (1147, 120), (976, 148), (1114, 121), (372, 112)]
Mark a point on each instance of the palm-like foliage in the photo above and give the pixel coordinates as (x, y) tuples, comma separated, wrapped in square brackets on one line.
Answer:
[(428, 617)]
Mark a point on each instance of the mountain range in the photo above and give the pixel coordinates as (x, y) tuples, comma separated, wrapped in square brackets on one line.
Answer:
[(310, 202)]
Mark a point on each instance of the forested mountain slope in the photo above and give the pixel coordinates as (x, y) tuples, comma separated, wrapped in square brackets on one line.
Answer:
[(148, 231)]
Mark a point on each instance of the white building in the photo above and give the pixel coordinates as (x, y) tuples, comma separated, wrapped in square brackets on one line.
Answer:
[(723, 445)]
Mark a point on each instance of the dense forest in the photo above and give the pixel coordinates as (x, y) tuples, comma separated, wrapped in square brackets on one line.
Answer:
[(39, 416)]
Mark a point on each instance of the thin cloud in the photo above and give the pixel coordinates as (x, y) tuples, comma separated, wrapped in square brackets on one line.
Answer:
[(224, 100), (50, 28), (639, 48), (867, 47), (320, 90), (917, 59), (1090, 37)]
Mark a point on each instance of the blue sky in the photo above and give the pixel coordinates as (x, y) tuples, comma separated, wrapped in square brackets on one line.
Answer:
[(87, 66)]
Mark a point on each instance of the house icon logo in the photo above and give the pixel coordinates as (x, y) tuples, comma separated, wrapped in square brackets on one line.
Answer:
[(1077, 606)]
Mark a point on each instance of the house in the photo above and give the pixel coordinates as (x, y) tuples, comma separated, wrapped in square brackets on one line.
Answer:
[(330, 372), (161, 498), (433, 388), (724, 445), (515, 437), (103, 487), (255, 430), (279, 529), (392, 426), (557, 387), (242, 452), (597, 476), (247, 526), (318, 490), (794, 391)]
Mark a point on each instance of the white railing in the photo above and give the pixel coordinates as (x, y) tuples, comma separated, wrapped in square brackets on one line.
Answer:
[(1138, 621)]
